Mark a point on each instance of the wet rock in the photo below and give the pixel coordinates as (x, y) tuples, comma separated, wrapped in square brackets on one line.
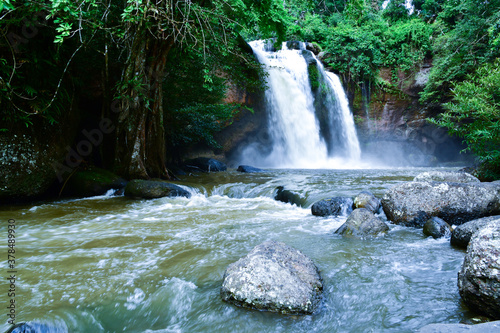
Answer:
[(206, 164), (95, 181), (336, 206), (413, 203), (367, 200), (273, 277), (362, 223), (151, 189), (490, 327), (446, 176), (288, 196), (248, 169), (479, 278), (313, 47), (436, 228), (461, 235)]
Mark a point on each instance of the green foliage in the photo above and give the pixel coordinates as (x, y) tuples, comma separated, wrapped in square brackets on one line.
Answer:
[(474, 115), (465, 39)]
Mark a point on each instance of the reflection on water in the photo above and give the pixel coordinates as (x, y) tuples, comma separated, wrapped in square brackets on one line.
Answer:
[(111, 264)]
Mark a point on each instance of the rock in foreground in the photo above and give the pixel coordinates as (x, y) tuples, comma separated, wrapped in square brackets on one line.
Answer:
[(412, 204), (151, 189), (362, 223), (332, 206), (273, 277), (461, 235), (479, 278)]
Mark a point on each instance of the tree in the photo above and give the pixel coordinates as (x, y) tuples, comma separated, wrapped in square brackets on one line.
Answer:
[(474, 115), (147, 31)]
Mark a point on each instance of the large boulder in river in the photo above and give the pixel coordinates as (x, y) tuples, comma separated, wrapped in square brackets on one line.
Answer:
[(336, 206), (479, 278), (413, 203), (446, 176), (436, 228), (367, 200), (273, 277), (95, 181), (362, 223), (151, 189), (461, 235), (206, 164)]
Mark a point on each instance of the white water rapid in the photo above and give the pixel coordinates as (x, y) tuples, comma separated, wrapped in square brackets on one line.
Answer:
[(307, 128)]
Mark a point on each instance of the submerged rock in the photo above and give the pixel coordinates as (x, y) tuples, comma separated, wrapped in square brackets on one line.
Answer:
[(479, 278), (362, 223), (436, 228), (446, 176), (248, 169), (490, 327), (367, 200), (95, 181), (288, 196), (273, 277), (413, 203), (206, 164), (461, 235), (151, 189), (336, 206)]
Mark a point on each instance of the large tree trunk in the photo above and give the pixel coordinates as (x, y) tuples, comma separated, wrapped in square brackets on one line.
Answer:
[(140, 150)]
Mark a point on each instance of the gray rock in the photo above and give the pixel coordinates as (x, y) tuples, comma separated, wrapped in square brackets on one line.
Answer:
[(248, 169), (151, 189), (336, 206), (479, 278), (288, 196), (367, 200), (436, 228), (490, 327), (413, 203), (362, 223), (462, 234), (446, 176), (273, 277)]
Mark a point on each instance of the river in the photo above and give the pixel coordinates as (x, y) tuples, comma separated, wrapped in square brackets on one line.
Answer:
[(113, 264)]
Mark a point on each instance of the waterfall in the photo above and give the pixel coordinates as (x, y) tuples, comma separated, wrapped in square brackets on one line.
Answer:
[(309, 123)]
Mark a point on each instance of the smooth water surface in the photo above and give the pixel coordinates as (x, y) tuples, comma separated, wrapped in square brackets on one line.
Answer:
[(112, 264)]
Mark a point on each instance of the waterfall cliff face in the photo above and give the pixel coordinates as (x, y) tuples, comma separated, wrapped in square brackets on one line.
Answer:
[(309, 121)]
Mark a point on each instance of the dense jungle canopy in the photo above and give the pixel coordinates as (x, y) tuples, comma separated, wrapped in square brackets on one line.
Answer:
[(161, 68)]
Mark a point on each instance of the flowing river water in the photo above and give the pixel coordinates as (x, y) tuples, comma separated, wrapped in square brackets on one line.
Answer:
[(113, 264)]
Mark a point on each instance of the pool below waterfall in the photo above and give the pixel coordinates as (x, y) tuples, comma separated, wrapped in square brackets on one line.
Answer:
[(113, 264)]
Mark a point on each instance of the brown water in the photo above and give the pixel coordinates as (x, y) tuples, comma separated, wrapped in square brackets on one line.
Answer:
[(112, 264)]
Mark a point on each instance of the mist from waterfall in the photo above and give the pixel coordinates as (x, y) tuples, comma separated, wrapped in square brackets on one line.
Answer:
[(306, 129)]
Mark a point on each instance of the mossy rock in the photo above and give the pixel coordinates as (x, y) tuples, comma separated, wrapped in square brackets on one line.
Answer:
[(92, 182)]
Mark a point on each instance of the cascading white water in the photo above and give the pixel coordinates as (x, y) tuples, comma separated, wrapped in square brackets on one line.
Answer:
[(298, 139)]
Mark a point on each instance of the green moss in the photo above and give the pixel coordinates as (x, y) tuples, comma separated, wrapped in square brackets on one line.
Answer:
[(313, 72)]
